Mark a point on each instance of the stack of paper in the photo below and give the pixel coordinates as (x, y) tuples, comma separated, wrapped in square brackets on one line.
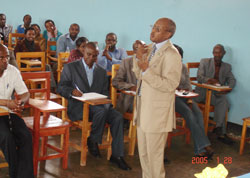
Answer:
[(90, 96)]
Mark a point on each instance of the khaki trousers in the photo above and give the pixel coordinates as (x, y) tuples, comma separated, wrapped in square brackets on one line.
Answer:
[(151, 151)]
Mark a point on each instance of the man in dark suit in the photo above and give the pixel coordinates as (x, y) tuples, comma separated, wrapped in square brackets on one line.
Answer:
[(86, 76), (216, 72)]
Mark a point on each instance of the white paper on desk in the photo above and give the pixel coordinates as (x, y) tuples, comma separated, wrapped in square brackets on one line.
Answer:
[(130, 92), (216, 86), (90, 96), (190, 94)]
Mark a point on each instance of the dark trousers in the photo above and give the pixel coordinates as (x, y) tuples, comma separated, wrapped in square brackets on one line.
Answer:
[(16, 144), (102, 114)]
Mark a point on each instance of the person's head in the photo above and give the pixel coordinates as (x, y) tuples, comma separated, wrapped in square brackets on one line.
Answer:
[(74, 29), (37, 29), (49, 25), (163, 29), (111, 40), (2, 20), (218, 53), (90, 54), (180, 50), (30, 34), (81, 43), (27, 20), (137, 44), (4, 58)]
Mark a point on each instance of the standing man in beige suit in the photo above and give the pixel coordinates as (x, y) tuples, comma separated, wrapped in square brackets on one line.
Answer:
[(158, 70)]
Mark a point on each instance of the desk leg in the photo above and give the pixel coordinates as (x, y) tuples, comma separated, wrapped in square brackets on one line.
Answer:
[(36, 140), (206, 112), (84, 134)]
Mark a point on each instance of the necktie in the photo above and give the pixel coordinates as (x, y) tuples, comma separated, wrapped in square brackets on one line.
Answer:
[(149, 59)]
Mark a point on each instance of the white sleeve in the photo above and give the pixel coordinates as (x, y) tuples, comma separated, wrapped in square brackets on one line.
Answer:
[(19, 84)]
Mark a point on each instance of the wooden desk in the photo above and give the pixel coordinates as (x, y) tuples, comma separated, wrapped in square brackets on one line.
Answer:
[(85, 126), (31, 62), (209, 89), (3, 112)]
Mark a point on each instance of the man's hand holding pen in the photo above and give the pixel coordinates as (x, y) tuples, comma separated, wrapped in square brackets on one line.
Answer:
[(77, 93), (141, 55), (15, 105)]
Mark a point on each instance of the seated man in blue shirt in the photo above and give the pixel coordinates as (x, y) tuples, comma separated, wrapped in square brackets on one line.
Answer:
[(25, 25), (67, 42), (111, 54)]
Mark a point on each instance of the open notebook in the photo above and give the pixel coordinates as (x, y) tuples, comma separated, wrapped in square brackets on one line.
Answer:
[(90, 96)]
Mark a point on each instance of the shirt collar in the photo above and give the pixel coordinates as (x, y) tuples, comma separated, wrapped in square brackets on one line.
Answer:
[(159, 45), (86, 66), (67, 35)]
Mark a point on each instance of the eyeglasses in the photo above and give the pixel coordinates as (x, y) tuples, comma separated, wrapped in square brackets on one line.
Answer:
[(4, 57), (158, 29)]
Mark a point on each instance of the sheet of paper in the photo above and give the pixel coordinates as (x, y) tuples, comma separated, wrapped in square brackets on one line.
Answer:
[(190, 94), (90, 96), (216, 86), (130, 92)]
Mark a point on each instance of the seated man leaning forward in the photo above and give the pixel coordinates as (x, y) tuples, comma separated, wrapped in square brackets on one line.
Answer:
[(192, 114), (111, 54), (15, 137), (85, 76), (125, 80), (216, 72)]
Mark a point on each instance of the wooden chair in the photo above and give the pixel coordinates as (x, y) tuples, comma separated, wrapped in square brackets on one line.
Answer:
[(85, 126), (17, 37), (60, 61), (246, 123), (42, 124), (50, 55), (181, 129), (27, 58), (193, 65), (131, 137), (130, 53)]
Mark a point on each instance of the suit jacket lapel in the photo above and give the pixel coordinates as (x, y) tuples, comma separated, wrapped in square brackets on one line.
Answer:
[(159, 52), (83, 76)]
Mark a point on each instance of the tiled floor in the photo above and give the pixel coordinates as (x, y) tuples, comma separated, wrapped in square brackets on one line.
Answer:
[(180, 155)]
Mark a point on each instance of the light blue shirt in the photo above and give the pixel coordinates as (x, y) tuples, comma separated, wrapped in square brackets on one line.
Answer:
[(117, 55), (65, 43), (89, 72)]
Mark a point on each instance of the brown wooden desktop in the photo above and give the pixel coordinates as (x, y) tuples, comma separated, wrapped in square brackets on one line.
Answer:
[(209, 89)]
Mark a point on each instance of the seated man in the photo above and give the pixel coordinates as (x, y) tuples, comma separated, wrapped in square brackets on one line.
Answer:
[(15, 138), (28, 45), (192, 114), (67, 42), (125, 80), (215, 71), (4, 28), (85, 76), (25, 25), (111, 55)]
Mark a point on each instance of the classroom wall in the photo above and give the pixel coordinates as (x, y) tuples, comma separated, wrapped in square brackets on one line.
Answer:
[(200, 25)]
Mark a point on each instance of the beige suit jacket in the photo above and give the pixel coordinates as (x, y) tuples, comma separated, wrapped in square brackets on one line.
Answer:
[(158, 84)]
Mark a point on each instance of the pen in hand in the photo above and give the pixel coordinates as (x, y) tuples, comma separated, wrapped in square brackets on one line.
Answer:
[(77, 91)]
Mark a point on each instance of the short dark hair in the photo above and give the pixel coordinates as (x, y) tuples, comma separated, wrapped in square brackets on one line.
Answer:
[(26, 16), (2, 15), (91, 45), (81, 40), (36, 25), (28, 29), (111, 33), (49, 20), (180, 50)]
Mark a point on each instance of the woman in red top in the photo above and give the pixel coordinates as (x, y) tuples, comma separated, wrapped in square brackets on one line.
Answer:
[(77, 53)]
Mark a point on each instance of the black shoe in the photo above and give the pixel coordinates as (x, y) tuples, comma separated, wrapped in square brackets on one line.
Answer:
[(218, 131), (120, 162), (93, 148), (225, 139), (166, 161)]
